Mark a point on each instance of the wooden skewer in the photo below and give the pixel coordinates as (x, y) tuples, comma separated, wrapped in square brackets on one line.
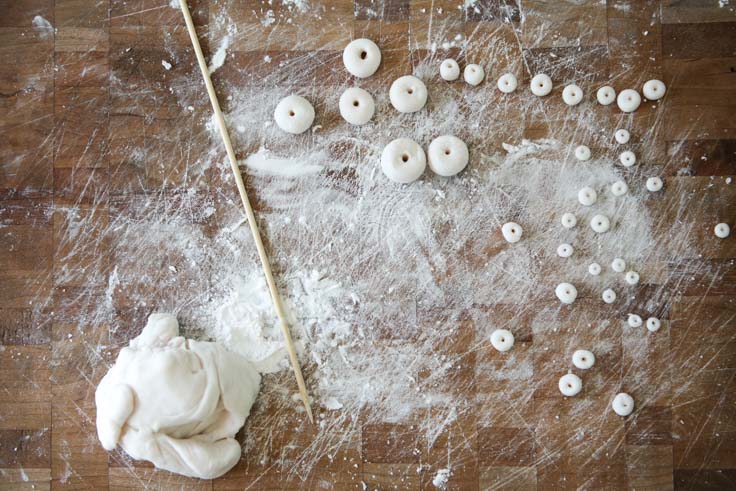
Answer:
[(277, 305)]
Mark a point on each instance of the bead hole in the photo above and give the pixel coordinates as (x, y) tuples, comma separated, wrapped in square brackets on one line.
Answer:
[(356, 103), (410, 91), (363, 55), (447, 151), (405, 158), (292, 114)]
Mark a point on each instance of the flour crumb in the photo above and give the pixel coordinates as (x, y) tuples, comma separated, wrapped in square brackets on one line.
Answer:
[(43, 25), (441, 478), (218, 59), (166, 64)]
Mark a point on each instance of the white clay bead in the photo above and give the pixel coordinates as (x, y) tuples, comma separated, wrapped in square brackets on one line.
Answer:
[(627, 158), (653, 90), (608, 296), (403, 160), (572, 95), (570, 385), (623, 404), (502, 340), (408, 94), (653, 324), (600, 224), (628, 100), (583, 359), (582, 152), (587, 196), (632, 277), (568, 220), (294, 114), (606, 95), (722, 230), (594, 269), (618, 265), (541, 85), (361, 57), (449, 70), (565, 250), (654, 184), (634, 320), (566, 292), (512, 232), (622, 136), (447, 155), (356, 106), (507, 83), (474, 74), (619, 188)]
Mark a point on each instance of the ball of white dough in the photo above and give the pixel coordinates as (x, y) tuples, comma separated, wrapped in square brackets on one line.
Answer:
[(572, 95), (634, 320), (623, 404), (608, 296), (447, 155), (502, 340), (512, 232), (653, 324), (606, 95), (618, 265), (600, 224), (654, 184), (594, 269), (566, 292), (294, 114), (570, 385), (628, 100), (449, 70), (583, 359), (356, 106), (627, 158), (408, 94), (632, 277), (587, 196), (568, 220), (722, 230), (403, 160), (619, 188), (541, 85), (474, 74), (361, 57), (582, 152), (622, 136), (507, 83), (653, 90), (565, 250)]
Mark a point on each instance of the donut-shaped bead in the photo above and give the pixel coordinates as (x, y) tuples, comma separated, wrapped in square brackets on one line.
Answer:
[(361, 57), (294, 114), (356, 106), (403, 160)]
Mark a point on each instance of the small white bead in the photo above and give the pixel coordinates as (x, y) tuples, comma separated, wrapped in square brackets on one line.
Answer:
[(628, 100), (653, 90), (587, 196), (361, 57), (408, 94), (403, 160), (600, 224), (356, 106), (294, 114), (632, 277), (449, 70), (634, 320), (502, 340), (608, 296), (448, 155), (568, 220), (722, 230), (541, 85), (566, 292), (570, 385), (627, 158), (582, 152), (622, 136), (623, 404), (572, 95), (654, 184), (474, 74), (606, 95), (653, 324), (583, 359), (618, 265), (512, 232), (594, 269), (619, 188), (565, 250), (507, 83)]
